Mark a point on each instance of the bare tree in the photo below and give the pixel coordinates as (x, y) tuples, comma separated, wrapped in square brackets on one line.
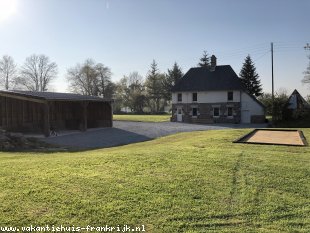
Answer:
[(106, 87), (37, 72), (82, 78), (90, 79), (130, 92), (7, 70)]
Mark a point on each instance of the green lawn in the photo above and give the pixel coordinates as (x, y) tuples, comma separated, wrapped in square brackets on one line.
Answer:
[(144, 118), (188, 182)]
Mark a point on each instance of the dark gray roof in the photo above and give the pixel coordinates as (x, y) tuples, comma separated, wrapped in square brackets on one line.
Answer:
[(55, 96), (202, 79), (297, 101)]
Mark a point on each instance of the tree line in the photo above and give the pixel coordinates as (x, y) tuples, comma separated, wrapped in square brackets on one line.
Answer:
[(35, 74), (92, 78), (152, 92), (138, 93)]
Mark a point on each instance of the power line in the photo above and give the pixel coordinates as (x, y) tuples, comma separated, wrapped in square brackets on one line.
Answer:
[(262, 56)]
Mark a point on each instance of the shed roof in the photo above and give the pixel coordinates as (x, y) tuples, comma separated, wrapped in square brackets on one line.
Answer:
[(53, 96), (296, 101), (202, 79)]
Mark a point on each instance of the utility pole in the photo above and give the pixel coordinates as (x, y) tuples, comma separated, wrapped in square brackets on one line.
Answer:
[(272, 87), (307, 46)]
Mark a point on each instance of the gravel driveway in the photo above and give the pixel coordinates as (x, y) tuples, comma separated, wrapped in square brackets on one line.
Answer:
[(126, 132)]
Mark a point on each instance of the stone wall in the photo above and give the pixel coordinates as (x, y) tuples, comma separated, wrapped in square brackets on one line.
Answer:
[(205, 112)]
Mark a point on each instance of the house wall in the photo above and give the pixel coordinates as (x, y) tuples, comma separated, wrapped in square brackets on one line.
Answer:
[(249, 104), (256, 113), (205, 112), (245, 108), (206, 97)]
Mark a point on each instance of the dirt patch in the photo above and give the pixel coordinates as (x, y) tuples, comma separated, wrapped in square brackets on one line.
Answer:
[(275, 137)]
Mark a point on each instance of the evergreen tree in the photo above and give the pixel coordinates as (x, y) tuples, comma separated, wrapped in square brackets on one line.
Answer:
[(154, 87), (306, 78), (204, 60), (171, 78), (250, 78)]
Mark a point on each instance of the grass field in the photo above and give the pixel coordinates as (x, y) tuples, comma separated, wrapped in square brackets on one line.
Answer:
[(144, 118), (188, 182)]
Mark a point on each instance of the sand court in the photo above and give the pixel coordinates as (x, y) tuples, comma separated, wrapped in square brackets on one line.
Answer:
[(275, 137)]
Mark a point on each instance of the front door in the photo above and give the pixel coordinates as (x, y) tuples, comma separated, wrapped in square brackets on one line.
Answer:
[(179, 114)]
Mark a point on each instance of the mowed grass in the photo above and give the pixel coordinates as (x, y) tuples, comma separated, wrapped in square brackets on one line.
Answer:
[(188, 182), (143, 118)]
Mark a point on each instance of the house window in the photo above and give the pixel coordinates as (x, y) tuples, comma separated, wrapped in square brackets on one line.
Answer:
[(230, 96), (216, 112), (179, 97), (229, 111), (195, 110), (194, 97)]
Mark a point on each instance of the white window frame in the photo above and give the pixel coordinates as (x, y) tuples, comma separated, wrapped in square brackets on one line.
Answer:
[(219, 112), (232, 112)]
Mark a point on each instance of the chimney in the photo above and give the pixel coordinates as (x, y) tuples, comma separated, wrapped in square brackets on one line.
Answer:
[(213, 63)]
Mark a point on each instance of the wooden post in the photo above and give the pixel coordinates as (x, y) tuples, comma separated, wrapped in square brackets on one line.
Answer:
[(46, 120), (111, 108), (7, 112), (3, 112), (84, 116)]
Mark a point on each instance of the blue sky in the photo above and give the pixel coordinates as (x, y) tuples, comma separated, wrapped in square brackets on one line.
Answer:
[(126, 35)]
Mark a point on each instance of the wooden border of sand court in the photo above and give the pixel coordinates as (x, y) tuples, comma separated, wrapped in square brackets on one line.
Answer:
[(277, 139)]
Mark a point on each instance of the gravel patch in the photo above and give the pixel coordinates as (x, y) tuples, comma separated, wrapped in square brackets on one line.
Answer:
[(126, 132)]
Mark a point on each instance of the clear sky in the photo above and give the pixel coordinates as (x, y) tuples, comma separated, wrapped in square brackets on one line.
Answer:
[(126, 35)]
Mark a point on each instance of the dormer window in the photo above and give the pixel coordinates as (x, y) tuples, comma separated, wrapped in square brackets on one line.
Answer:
[(230, 96), (194, 97), (179, 97)]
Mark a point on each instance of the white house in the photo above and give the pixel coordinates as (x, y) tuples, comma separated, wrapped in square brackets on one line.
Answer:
[(214, 95)]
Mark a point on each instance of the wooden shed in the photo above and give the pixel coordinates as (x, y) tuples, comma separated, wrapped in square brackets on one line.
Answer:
[(29, 111)]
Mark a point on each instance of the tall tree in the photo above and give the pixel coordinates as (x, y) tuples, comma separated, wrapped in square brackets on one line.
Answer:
[(136, 92), (250, 78), (106, 86), (171, 78), (7, 70), (90, 78), (306, 78), (83, 78), (204, 60), (154, 87), (37, 73), (130, 92), (280, 101)]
